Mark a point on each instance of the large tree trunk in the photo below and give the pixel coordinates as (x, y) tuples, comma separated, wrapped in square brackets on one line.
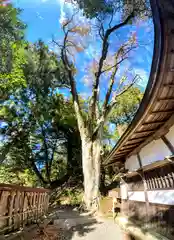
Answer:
[(91, 171)]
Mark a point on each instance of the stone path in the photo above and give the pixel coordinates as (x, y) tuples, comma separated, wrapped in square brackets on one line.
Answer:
[(83, 227)]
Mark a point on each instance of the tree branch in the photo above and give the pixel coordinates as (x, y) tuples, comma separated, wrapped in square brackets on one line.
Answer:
[(109, 91), (61, 181), (46, 154), (124, 56), (105, 47), (52, 156), (74, 93), (114, 101), (38, 174)]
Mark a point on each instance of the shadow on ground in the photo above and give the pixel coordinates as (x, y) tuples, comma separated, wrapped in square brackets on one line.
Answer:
[(72, 223)]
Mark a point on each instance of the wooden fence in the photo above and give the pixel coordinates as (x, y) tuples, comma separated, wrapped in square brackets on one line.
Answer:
[(20, 206)]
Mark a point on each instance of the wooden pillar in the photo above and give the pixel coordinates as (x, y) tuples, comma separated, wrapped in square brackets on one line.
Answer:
[(34, 205), (125, 205), (141, 173), (17, 210), (21, 204), (3, 208), (168, 144), (11, 208)]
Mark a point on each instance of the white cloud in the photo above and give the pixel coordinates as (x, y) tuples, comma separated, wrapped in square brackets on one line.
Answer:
[(62, 12), (65, 8), (84, 95), (38, 15), (87, 80)]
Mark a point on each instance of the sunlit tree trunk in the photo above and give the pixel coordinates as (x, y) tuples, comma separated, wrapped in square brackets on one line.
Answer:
[(91, 170)]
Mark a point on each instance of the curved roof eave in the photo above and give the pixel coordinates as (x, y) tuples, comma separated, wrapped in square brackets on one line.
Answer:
[(157, 82)]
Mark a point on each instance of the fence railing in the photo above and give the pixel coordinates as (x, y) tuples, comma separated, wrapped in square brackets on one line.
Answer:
[(20, 206)]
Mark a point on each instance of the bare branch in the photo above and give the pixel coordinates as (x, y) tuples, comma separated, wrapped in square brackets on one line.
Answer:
[(70, 20), (129, 86), (114, 101), (124, 57), (68, 68), (101, 61), (101, 32), (123, 53), (64, 85), (108, 94), (111, 18)]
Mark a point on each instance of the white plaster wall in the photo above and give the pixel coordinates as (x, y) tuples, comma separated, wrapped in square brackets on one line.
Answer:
[(161, 197), (132, 163), (157, 196), (136, 196), (170, 135), (154, 151), (123, 190)]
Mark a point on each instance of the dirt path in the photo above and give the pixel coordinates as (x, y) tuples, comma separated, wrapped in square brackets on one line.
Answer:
[(82, 227), (105, 230)]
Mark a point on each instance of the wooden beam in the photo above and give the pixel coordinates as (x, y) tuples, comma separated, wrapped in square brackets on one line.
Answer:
[(118, 156), (165, 99), (154, 122), (123, 150), (132, 139), (145, 131), (163, 111), (112, 163), (170, 85), (132, 144), (128, 147)]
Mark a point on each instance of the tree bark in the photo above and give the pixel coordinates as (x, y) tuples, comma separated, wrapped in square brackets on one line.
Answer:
[(59, 182), (91, 171), (38, 174), (102, 181)]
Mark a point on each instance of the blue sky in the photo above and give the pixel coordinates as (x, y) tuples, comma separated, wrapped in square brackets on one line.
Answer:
[(43, 18)]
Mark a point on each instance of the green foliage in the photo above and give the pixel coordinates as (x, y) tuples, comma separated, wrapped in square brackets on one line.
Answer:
[(37, 138), (44, 72), (127, 105), (15, 79), (11, 50), (11, 27), (11, 34), (95, 7), (71, 196), (24, 177), (104, 8), (40, 122)]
